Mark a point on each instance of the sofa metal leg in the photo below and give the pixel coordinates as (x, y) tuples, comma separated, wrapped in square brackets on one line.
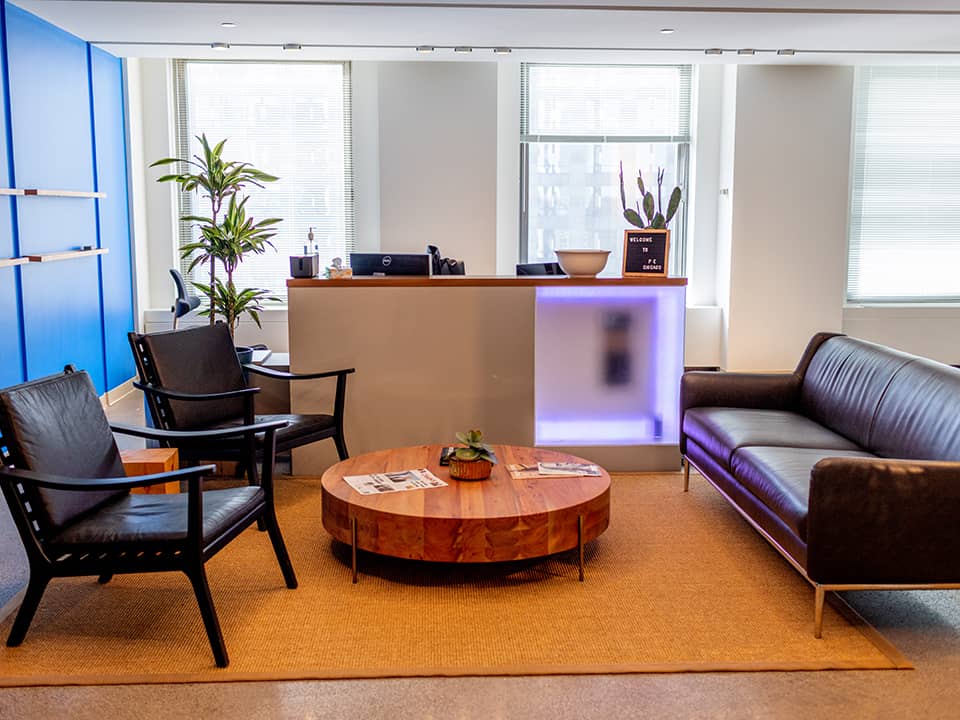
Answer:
[(819, 595), (686, 474)]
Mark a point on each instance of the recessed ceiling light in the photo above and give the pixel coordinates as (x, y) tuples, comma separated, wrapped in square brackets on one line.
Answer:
[(425, 48), (786, 52), (220, 46), (292, 46), (713, 51), (502, 51), (463, 49), (667, 31), (228, 24), (746, 51)]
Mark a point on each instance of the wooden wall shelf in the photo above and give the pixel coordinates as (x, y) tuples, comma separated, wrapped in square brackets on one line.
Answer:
[(52, 193), (65, 255), (64, 193), (11, 262)]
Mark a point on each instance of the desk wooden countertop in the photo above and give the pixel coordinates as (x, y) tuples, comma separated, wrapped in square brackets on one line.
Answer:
[(485, 281)]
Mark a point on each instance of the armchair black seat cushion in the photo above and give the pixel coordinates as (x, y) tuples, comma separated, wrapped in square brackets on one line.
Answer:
[(192, 379), (64, 482), (850, 465)]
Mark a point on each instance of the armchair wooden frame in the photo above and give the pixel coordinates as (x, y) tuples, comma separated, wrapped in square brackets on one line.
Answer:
[(159, 398), (49, 559)]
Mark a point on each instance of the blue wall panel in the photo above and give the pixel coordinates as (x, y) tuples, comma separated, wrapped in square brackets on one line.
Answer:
[(53, 148), (110, 143), (11, 349)]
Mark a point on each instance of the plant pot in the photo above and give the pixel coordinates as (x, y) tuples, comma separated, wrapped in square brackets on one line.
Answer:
[(244, 354), (470, 469)]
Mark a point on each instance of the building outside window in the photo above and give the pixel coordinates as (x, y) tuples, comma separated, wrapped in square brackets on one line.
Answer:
[(291, 120), (904, 243), (578, 123)]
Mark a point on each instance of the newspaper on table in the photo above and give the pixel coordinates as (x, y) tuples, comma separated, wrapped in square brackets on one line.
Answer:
[(543, 470), (569, 469), (380, 483)]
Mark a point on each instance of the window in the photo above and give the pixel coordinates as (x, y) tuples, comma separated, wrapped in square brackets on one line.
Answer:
[(578, 123), (291, 120), (905, 201)]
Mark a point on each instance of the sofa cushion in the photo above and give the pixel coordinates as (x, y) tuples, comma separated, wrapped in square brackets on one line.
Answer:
[(720, 431), (917, 418), (780, 478), (844, 383)]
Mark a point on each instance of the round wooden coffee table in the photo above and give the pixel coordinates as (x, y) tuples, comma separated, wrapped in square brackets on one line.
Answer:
[(467, 521)]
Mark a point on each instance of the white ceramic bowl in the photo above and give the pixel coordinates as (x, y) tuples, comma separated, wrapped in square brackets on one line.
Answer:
[(582, 263)]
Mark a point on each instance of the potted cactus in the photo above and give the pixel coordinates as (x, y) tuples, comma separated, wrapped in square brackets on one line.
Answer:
[(654, 217), (473, 462)]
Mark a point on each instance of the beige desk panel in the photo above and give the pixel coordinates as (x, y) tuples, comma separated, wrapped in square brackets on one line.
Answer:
[(430, 361)]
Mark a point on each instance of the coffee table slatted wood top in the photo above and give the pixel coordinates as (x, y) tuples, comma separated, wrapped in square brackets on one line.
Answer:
[(480, 521)]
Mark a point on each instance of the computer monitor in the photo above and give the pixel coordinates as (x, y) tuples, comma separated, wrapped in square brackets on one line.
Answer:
[(545, 268), (390, 263)]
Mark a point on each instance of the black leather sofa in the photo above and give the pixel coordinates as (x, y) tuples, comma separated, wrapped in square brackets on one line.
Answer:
[(849, 465)]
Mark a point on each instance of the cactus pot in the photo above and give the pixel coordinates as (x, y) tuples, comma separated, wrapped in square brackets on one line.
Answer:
[(470, 469)]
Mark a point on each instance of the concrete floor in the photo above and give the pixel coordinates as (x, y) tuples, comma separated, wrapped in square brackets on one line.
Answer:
[(924, 625)]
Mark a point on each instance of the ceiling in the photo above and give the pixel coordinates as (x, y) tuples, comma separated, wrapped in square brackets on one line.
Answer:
[(845, 32)]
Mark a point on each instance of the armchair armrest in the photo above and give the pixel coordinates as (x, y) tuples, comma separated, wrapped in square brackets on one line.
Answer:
[(174, 395), (280, 375), (774, 391), (873, 520), (172, 435), (57, 482)]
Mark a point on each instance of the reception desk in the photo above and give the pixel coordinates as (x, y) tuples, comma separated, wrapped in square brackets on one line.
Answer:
[(587, 366)]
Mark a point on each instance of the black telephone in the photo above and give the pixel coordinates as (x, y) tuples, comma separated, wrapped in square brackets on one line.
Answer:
[(445, 266)]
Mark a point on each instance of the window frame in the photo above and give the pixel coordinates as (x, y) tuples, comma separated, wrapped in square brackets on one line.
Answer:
[(684, 143), (857, 188), (182, 138)]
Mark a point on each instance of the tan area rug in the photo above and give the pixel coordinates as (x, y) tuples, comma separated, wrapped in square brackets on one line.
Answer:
[(678, 583)]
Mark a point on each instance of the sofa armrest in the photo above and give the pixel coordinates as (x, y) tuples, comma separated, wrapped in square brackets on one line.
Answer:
[(878, 521), (778, 391)]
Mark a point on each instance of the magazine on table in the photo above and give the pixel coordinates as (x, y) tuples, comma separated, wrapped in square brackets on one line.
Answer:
[(399, 481), (544, 470)]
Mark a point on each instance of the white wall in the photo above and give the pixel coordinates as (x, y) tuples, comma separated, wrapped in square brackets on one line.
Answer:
[(704, 185), (365, 114), (136, 180), (724, 199), (156, 117), (438, 160), (789, 219), (508, 167)]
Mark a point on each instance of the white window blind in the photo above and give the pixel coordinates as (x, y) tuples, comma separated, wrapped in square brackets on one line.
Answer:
[(604, 103), (905, 206), (291, 120), (577, 124)]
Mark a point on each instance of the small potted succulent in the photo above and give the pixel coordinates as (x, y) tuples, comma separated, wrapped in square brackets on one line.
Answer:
[(473, 462)]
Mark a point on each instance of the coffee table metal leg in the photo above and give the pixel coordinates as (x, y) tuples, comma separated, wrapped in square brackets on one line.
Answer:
[(353, 548), (580, 543)]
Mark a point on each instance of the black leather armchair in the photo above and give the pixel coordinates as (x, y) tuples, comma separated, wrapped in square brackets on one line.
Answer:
[(62, 477), (193, 379)]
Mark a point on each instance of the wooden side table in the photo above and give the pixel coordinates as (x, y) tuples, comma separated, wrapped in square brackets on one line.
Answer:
[(149, 461)]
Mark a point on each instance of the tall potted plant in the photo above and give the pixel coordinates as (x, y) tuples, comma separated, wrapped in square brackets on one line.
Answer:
[(226, 234)]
